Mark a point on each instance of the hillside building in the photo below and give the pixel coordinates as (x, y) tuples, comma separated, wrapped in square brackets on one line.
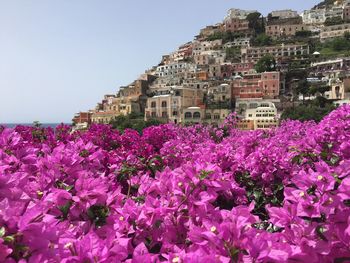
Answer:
[(260, 85), (331, 32), (253, 54)]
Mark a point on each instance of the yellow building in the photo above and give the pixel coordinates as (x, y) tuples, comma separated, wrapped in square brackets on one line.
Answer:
[(168, 104)]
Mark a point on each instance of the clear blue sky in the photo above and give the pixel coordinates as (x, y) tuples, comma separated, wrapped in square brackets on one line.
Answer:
[(58, 57)]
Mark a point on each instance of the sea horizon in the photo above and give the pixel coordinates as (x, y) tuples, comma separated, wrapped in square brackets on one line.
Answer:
[(43, 125)]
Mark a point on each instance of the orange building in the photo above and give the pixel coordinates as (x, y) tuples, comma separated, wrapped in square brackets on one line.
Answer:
[(82, 117), (245, 125), (202, 75)]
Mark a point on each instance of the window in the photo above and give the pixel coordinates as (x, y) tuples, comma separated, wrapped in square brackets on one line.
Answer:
[(197, 115), (188, 115), (216, 116), (164, 114), (153, 104), (164, 104), (153, 114), (208, 116), (174, 113)]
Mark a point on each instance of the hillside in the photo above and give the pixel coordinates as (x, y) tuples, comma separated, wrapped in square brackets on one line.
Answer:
[(325, 3)]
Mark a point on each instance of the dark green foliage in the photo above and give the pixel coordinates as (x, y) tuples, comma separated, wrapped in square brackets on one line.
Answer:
[(262, 40), (64, 210), (340, 44), (303, 33), (308, 112), (256, 22), (347, 35), (335, 47), (256, 192), (318, 89), (324, 3), (331, 21), (98, 214), (303, 88), (132, 121), (266, 63), (215, 36), (225, 36), (233, 53)]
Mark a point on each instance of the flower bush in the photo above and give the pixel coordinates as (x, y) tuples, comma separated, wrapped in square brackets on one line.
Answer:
[(177, 194)]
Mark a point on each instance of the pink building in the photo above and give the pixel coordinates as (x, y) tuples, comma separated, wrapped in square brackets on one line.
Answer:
[(236, 25), (252, 86)]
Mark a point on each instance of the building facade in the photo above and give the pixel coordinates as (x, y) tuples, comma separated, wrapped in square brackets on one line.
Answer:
[(252, 86), (82, 117), (168, 105), (238, 13), (284, 30), (236, 25), (174, 69), (253, 54), (314, 16), (331, 32), (283, 14), (256, 114)]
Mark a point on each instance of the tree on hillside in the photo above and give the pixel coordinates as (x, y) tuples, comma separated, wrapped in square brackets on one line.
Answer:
[(308, 112), (262, 40), (340, 44), (331, 21), (347, 35), (132, 121), (324, 3), (319, 89), (266, 63), (256, 22), (303, 88), (303, 33)]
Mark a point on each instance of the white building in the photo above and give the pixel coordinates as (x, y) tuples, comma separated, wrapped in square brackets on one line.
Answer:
[(210, 57), (283, 14), (238, 13), (314, 17), (201, 46), (238, 42), (256, 109), (334, 11), (174, 69), (262, 114)]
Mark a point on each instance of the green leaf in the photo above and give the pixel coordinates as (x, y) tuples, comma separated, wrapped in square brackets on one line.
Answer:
[(296, 159), (9, 239), (320, 230), (204, 174), (98, 214), (2, 231)]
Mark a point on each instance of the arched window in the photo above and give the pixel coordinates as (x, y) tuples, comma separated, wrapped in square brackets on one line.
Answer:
[(197, 115), (153, 104), (164, 104), (188, 115)]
